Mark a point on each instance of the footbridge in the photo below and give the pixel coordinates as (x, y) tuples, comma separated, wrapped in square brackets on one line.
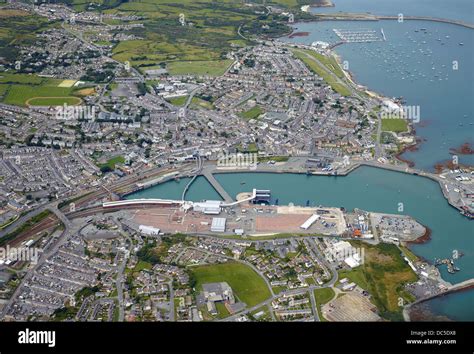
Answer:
[(196, 174)]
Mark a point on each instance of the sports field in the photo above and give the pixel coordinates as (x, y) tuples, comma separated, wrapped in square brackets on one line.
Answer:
[(247, 285), (31, 90)]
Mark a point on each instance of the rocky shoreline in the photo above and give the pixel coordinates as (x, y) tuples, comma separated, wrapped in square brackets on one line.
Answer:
[(426, 237)]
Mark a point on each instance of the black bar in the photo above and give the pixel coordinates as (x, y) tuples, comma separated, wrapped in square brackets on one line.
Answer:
[(237, 337)]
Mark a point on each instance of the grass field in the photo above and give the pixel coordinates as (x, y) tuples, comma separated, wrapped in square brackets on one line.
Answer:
[(198, 102), (3, 90), (330, 64), (247, 285), (273, 158), (323, 296), (211, 68), (394, 125), (178, 101), (53, 101), (23, 90), (112, 162), (252, 147), (67, 83), (22, 95), (252, 113), (383, 274), (13, 78)]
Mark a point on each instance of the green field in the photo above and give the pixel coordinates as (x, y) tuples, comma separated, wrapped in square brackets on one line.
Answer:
[(19, 28), (394, 125), (197, 102), (211, 68), (110, 164), (53, 101), (178, 101), (199, 46), (273, 158), (330, 64), (323, 296), (24, 90), (383, 274), (252, 113), (14, 78), (247, 285), (252, 147)]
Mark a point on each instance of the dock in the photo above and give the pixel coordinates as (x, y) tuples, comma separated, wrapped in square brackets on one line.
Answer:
[(217, 186)]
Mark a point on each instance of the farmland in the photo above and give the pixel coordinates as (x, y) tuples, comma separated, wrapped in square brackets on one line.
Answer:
[(18, 27)]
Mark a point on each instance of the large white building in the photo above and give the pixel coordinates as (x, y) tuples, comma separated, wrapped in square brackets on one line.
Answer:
[(218, 224), (210, 207), (148, 230)]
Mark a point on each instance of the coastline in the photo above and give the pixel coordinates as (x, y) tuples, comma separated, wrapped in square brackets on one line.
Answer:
[(417, 309), (400, 169), (317, 3), (425, 238)]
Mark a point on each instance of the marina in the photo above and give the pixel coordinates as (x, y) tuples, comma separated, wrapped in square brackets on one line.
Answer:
[(359, 36)]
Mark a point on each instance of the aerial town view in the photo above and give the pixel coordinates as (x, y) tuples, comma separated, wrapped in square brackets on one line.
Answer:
[(236, 161)]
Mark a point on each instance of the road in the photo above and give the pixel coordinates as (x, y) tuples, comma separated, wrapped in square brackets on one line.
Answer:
[(309, 289), (61, 240), (314, 306)]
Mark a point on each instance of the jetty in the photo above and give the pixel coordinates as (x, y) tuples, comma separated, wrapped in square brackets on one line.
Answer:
[(217, 186), (370, 17), (450, 289)]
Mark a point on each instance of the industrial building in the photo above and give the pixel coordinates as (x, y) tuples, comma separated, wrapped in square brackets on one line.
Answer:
[(209, 207), (262, 196), (218, 224), (312, 219), (148, 230)]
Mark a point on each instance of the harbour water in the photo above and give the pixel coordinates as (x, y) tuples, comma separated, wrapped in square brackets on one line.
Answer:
[(429, 68), (418, 65), (366, 188), (453, 9), (448, 306), (201, 189)]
